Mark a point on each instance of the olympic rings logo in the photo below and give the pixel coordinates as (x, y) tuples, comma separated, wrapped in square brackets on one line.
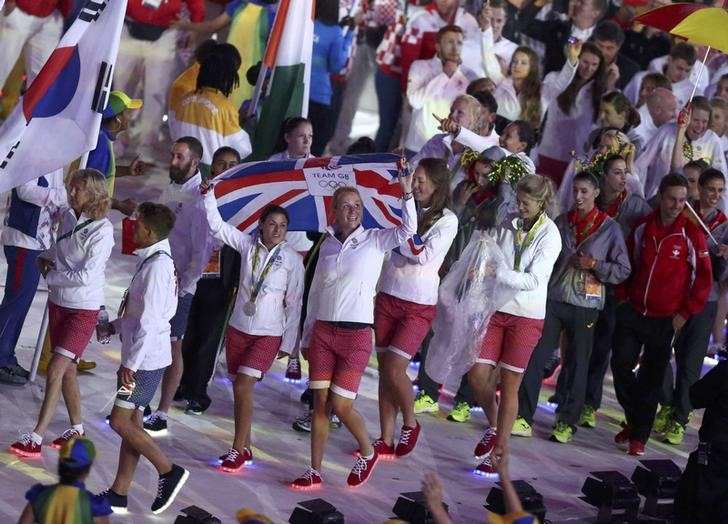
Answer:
[(331, 184)]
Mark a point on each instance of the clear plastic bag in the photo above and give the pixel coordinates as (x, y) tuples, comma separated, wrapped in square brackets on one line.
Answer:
[(468, 297)]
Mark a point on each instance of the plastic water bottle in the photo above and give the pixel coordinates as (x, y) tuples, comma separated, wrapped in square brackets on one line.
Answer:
[(102, 326)]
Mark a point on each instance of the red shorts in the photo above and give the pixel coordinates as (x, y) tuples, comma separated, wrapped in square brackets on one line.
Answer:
[(400, 326), (70, 330), (337, 358), (250, 355), (509, 341)]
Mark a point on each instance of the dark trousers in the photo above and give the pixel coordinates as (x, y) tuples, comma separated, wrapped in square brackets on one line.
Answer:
[(691, 345), (202, 338), (601, 350), (432, 388), (638, 394), (389, 98), (701, 492), (21, 283), (578, 323), (323, 123)]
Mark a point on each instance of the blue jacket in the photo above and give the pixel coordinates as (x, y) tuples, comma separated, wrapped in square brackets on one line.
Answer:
[(330, 53)]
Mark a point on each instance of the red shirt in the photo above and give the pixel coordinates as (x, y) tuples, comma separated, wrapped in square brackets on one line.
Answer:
[(44, 8), (167, 13), (671, 270)]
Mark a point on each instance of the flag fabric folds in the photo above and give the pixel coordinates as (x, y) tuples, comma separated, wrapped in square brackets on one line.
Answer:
[(304, 188), (288, 57), (57, 120)]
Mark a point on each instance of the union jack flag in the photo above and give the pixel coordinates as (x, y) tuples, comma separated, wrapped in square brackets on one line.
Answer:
[(304, 188)]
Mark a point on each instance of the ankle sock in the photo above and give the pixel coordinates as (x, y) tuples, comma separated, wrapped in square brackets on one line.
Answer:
[(37, 439), (78, 427)]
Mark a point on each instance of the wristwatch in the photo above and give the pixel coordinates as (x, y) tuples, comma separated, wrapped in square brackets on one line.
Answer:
[(407, 196)]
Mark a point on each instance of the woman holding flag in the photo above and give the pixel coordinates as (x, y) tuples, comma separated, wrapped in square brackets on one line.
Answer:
[(267, 311), (405, 305), (337, 335)]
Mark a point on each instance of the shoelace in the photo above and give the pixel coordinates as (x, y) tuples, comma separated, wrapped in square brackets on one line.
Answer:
[(489, 433), (310, 474), (160, 487), (359, 466), (25, 438), (66, 435), (487, 462), (405, 435), (232, 454)]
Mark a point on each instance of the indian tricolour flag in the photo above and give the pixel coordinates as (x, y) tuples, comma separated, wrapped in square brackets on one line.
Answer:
[(288, 57)]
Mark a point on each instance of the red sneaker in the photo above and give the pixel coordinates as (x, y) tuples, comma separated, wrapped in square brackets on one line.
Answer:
[(622, 438), (636, 448), (25, 447), (233, 460), (486, 468), (293, 370), (384, 450), (407, 440), (309, 480), (486, 444), (362, 470), (65, 437)]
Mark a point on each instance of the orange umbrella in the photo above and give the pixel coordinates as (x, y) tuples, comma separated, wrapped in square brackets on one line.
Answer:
[(698, 24)]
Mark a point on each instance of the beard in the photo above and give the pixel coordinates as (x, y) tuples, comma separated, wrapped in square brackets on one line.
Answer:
[(180, 174)]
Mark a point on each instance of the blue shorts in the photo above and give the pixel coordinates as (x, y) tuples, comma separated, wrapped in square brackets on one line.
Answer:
[(146, 384), (179, 320)]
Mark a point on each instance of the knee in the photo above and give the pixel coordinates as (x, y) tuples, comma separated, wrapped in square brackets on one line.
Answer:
[(57, 369), (320, 399), (119, 423), (342, 407), (243, 384)]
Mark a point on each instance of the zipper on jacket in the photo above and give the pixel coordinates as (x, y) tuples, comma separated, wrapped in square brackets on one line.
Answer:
[(652, 268)]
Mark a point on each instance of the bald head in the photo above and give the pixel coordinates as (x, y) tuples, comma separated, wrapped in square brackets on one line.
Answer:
[(662, 106)]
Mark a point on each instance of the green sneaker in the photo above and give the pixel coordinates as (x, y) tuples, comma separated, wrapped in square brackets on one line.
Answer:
[(675, 433), (521, 428), (662, 420), (588, 417), (425, 404), (460, 413), (563, 432)]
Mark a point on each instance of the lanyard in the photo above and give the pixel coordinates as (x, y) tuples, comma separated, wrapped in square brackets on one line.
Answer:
[(523, 240), (122, 306), (78, 226), (255, 286)]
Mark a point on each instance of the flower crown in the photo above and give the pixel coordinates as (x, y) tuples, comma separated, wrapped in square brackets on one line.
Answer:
[(509, 169), (595, 166)]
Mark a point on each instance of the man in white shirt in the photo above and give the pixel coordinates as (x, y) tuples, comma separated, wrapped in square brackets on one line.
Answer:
[(433, 84), (191, 250), (143, 326), (677, 67), (660, 108), (494, 15)]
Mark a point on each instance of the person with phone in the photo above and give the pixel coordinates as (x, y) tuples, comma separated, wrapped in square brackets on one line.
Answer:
[(143, 327)]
